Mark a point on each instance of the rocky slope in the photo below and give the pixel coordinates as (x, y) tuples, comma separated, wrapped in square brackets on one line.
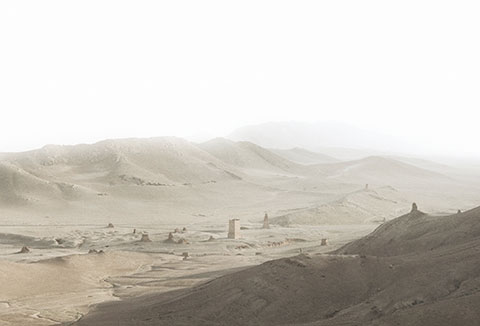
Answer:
[(415, 270)]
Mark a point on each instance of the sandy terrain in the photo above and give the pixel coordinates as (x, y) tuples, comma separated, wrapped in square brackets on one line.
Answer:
[(415, 270), (59, 282), (58, 201)]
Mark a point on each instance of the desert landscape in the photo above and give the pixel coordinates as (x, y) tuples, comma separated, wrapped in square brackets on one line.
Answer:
[(239, 163), (91, 233)]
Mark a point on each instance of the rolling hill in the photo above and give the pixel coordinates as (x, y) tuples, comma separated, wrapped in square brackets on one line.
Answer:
[(249, 156), (362, 206), (380, 171), (169, 178), (303, 156), (414, 270), (158, 160)]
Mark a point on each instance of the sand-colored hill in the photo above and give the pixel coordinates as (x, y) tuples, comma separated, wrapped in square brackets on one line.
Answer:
[(433, 280), (249, 156), (157, 160), (160, 179), (303, 156), (381, 171), (362, 206), (19, 187)]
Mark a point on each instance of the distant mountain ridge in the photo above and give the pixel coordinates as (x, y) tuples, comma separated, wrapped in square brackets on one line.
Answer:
[(346, 141), (303, 156)]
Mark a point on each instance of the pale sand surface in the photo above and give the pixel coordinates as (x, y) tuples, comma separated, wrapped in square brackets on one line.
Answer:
[(58, 283)]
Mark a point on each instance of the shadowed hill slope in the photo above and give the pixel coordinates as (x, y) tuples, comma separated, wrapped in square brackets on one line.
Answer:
[(418, 232), (435, 281)]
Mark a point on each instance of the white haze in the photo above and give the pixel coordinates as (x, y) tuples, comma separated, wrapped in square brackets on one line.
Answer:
[(83, 71)]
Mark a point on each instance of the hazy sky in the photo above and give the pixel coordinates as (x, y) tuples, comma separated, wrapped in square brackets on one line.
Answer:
[(80, 71)]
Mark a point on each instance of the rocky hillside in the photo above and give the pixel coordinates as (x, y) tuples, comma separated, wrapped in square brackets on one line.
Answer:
[(415, 270)]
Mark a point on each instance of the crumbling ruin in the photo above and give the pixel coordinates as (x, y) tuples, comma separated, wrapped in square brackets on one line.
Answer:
[(145, 238), (234, 228), (324, 242), (24, 250), (266, 225), (110, 226), (414, 207), (170, 238)]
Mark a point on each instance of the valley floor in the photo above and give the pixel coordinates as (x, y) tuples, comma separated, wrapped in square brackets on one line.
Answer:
[(69, 271)]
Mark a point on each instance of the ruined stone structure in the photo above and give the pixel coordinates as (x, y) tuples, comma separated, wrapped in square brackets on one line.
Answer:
[(182, 241), (110, 225), (24, 250), (414, 207), (145, 238), (170, 238), (266, 225), (234, 228), (324, 242)]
